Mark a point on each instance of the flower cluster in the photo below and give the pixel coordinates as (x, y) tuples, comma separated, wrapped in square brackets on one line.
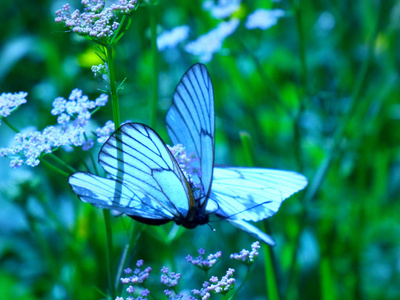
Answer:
[(263, 18), (246, 256), (131, 291), (171, 279), (224, 285), (171, 38), (222, 9), (100, 70), (211, 42), (95, 21), (10, 101), (206, 45), (204, 263), (73, 116), (104, 133), (138, 278), (185, 162)]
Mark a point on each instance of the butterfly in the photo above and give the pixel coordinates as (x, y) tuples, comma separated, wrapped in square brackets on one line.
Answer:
[(146, 181)]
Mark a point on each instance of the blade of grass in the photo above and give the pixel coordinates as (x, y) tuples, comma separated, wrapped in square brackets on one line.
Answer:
[(270, 274)]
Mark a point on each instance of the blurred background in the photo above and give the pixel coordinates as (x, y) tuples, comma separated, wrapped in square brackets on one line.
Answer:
[(317, 93)]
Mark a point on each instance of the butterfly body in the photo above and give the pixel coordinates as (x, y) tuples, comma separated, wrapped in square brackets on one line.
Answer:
[(154, 186)]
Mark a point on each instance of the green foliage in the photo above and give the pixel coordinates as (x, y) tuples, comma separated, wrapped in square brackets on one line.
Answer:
[(317, 93)]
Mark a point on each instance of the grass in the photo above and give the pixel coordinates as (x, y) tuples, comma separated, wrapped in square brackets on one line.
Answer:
[(317, 93)]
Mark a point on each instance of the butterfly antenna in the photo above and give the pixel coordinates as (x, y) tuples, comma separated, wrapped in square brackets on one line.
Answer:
[(212, 229)]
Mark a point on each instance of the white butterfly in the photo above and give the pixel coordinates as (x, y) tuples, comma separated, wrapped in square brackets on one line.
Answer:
[(147, 183)]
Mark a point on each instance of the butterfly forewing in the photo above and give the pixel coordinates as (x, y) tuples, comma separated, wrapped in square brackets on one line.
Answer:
[(253, 194), (101, 192), (137, 159), (190, 122)]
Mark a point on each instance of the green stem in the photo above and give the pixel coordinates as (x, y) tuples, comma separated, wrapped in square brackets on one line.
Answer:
[(241, 285), (302, 47), (106, 213), (155, 78), (272, 286), (113, 85), (109, 254), (61, 162), (10, 125), (54, 168), (135, 233)]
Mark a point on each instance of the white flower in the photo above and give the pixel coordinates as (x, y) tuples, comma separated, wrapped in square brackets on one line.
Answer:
[(103, 133), (206, 45), (263, 18), (223, 9), (9, 102), (169, 39), (73, 115)]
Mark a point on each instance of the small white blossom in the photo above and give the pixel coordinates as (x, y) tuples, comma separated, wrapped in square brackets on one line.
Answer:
[(206, 45), (185, 162), (87, 145), (10, 102), (224, 285), (73, 116), (100, 70), (247, 257), (202, 262), (103, 133), (95, 21), (263, 18), (169, 39), (223, 9)]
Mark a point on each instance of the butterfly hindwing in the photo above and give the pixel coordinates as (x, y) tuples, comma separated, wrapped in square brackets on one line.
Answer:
[(146, 180), (190, 122), (252, 194), (252, 230)]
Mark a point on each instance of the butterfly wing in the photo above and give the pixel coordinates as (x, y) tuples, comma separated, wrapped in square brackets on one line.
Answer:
[(190, 122), (145, 180), (101, 192), (252, 194), (252, 230)]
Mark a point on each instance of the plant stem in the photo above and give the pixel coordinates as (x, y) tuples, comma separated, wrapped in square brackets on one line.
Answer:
[(241, 285), (61, 162), (106, 213), (113, 85), (302, 49), (109, 254), (272, 287), (155, 78), (54, 168), (10, 125), (134, 235)]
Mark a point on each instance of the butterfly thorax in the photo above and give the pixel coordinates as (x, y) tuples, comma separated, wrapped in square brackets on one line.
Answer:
[(196, 216)]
